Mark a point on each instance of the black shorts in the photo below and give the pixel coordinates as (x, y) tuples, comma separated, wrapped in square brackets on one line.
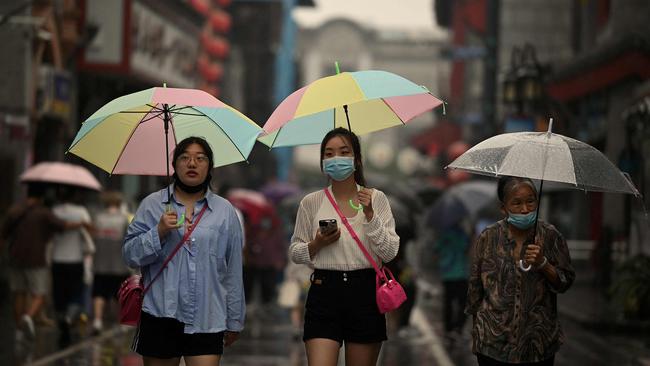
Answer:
[(106, 286), (164, 338), (342, 306)]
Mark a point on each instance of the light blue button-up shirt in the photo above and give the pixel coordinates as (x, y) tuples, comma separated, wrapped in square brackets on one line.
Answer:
[(202, 285)]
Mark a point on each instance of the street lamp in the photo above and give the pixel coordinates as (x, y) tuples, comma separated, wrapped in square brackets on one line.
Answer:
[(530, 76), (510, 92), (522, 84)]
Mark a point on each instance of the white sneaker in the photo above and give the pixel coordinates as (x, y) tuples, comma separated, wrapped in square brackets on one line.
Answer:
[(28, 325), (98, 326)]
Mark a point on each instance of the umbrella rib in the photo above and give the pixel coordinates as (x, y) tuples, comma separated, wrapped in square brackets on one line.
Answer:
[(175, 111), (150, 118), (228, 136), (187, 114), (144, 112), (275, 138), (392, 110), (154, 107), (124, 147), (131, 135)]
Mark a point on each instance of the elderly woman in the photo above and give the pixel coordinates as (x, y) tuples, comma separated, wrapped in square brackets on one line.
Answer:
[(515, 311)]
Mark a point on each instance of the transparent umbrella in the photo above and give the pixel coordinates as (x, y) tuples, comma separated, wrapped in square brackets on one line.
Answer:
[(545, 156)]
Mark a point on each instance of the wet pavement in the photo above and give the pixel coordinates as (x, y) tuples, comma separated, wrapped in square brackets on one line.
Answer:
[(266, 342), (268, 338)]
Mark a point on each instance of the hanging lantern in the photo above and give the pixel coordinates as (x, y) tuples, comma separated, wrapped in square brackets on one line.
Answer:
[(220, 21), (216, 46), (210, 71), (200, 6)]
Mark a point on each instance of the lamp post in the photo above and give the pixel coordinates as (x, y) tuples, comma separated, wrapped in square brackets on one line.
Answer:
[(522, 85)]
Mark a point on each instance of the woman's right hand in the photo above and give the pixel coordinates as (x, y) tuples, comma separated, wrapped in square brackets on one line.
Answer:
[(322, 240), (168, 222)]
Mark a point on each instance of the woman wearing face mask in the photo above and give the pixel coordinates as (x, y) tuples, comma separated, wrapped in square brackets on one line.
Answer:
[(196, 306), (341, 305), (515, 312)]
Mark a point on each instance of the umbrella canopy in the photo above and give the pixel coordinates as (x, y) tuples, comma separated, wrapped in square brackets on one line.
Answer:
[(133, 133), (61, 173), (545, 156), (460, 201), (277, 191), (362, 101)]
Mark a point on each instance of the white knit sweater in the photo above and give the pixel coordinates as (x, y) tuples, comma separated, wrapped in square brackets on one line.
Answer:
[(378, 235)]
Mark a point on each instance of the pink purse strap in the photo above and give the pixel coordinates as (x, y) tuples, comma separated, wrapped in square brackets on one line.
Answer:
[(188, 232), (354, 235)]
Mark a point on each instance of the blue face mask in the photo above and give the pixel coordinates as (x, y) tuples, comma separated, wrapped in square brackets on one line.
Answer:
[(522, 222), (339, 167)]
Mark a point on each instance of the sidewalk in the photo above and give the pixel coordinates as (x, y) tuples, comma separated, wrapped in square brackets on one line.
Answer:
[(594, 334), (586, 304)]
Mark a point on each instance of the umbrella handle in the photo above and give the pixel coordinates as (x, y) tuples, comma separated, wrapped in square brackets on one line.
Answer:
[(524, 269), (181, 220)]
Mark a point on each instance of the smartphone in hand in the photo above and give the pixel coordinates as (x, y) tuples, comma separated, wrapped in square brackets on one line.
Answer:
[(327, 226)]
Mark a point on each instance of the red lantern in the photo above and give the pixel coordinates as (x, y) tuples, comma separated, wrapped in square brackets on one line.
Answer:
[(210, 71), (220, 21), (201, 6), (215, 45)]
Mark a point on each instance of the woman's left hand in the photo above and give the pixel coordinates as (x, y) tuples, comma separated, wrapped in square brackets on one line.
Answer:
[(534, 255), (365, 198), (230, 337)]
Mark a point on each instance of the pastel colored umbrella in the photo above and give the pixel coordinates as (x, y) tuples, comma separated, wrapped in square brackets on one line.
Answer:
[(362, 101), (61, 173), (133, 133)]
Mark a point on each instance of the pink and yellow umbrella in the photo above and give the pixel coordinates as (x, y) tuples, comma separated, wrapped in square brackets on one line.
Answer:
[(362, 101), (135, 133)]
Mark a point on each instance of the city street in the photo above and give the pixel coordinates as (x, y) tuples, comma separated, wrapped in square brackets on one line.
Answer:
[(452, 142), (267, 341)]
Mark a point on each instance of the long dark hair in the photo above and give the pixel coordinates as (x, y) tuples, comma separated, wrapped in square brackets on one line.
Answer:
[(356, 149)]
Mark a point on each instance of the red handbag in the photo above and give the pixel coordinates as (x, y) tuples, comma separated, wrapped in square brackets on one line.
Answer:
[(131, 292), (389, 293)]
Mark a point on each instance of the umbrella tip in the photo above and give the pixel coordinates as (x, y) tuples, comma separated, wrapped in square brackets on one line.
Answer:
[(550, 125), (164, 85), (336, 65)]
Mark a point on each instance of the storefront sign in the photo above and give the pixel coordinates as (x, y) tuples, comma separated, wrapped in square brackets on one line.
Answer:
[(54, 93), (161, 50), (107, 48)]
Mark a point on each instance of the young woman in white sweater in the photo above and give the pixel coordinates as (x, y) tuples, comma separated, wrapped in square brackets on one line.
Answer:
[(341, 305)]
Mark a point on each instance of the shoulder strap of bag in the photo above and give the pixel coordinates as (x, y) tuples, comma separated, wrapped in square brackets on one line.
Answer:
[(178, 246), (353, 233)]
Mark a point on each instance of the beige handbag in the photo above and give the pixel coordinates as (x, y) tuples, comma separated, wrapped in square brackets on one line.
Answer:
[(289, 294)]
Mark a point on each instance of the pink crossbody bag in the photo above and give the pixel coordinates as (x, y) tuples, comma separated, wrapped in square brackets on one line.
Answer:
[(389, 293), (131, 292)]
